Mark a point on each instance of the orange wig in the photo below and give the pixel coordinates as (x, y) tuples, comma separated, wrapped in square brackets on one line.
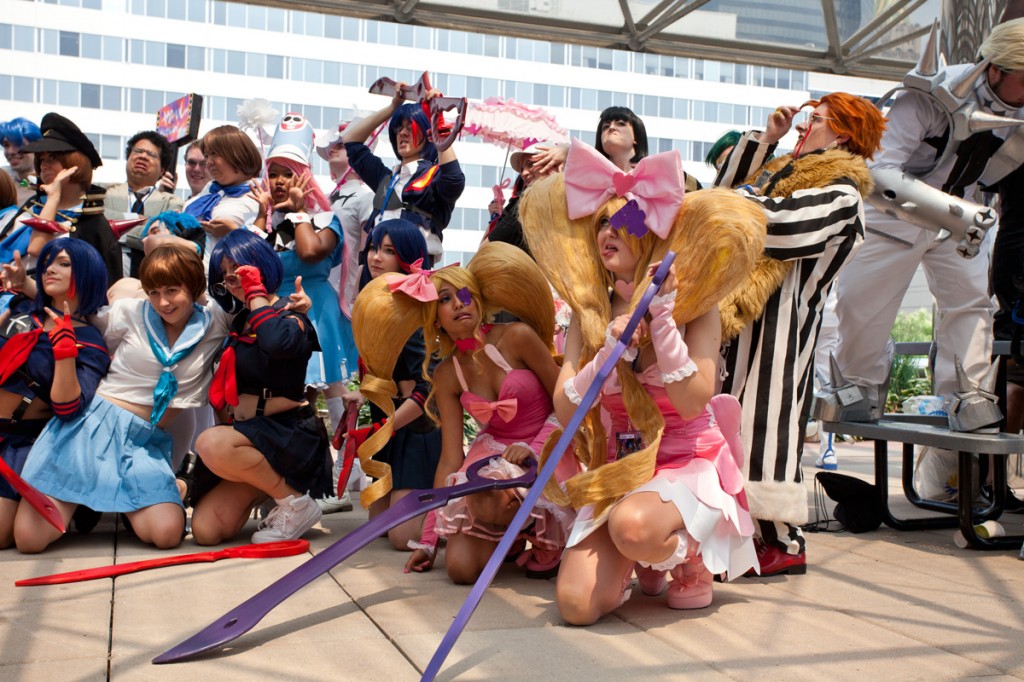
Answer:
[(856, 118)]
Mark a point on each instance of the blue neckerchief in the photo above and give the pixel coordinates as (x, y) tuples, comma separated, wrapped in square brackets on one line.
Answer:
[(195, 330), (202, 207)]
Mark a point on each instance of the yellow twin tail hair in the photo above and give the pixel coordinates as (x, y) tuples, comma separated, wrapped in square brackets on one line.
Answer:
[(717, 236), (382, 323)]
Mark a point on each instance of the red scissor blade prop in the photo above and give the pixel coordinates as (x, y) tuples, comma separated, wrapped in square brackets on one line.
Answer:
[(44, 225), (263, 551), (120, 227), (414, 93), (40, 502)]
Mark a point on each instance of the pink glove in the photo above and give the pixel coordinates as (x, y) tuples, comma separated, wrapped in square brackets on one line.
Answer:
[(428, 536), (576, 387), (251, 282), (673, 356)]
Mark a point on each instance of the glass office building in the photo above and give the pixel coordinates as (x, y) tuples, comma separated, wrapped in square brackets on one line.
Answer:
[(110, 64)]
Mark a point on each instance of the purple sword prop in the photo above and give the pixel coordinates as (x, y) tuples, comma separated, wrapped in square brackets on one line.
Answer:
[(519, 520), (246, 615)]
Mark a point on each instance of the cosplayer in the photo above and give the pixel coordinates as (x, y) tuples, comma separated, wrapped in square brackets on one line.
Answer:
[(621, 138), (232, 160), (65, 159), (813, 203), (273, 444), (35, 381), (920, 142), (116, 455), (501, 374), (15, 135), (412, 453), (506, 227), (352, 202), (307, 237), (195, 169), (675, 503), (424, 189)]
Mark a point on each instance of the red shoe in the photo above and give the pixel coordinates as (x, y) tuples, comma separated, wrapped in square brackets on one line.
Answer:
[(774, 561)]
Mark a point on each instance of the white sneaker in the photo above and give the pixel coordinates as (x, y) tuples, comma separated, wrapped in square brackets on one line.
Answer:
[(292, 517), (827, 460), (334, 504)]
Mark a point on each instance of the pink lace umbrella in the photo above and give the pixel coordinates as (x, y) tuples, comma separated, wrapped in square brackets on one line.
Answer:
[(508, 123)]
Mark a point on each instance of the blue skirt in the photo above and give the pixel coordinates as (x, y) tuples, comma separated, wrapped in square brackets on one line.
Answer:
[(106, 458)]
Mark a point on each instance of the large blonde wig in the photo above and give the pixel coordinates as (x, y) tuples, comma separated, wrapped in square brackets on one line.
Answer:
[(717, 236), (500, 277)]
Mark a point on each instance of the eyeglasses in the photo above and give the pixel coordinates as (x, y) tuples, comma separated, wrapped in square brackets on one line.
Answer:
[(221, 288), (816, 119), (139, 151), (195, 164)]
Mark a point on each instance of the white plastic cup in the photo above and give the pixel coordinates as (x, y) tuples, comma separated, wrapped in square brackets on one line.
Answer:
[(986, 530)]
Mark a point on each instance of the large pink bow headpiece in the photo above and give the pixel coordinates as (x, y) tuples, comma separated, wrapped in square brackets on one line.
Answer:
[(654, 189), (417, 283)]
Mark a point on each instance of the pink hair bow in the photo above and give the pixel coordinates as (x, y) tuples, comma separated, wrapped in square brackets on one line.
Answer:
[(416, 284), (654, 188), (483, 411)]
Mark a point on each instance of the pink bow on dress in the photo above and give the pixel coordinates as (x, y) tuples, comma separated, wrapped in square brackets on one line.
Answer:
[(483, 411), (656, 185)]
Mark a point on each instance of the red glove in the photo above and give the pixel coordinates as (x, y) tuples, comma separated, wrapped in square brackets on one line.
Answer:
[(251, 282), (63, 340), (359, 436)]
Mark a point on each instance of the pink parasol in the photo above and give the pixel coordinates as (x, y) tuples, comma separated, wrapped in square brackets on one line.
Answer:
[(508, 123)]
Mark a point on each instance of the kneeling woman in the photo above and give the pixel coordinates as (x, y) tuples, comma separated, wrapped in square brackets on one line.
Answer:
[(44, 371), (275, 445), (115, 456), (665, 491)]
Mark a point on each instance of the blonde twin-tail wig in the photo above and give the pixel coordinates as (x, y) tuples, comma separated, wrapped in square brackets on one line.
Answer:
[(382, 323), (717, 236), (510, 280)]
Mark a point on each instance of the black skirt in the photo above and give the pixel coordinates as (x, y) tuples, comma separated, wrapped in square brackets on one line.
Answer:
[(295, 443)]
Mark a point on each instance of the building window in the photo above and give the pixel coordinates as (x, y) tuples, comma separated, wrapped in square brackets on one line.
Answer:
[(90, 96), (196, 58), (22, 88), (236, 62), (69, 44), (156, 8), (332, 27), (47, 91), (155, 53), (112, 98), (275, 66), (175, 56), (92, 46), (113, 50), (67, 93), (24, 38)]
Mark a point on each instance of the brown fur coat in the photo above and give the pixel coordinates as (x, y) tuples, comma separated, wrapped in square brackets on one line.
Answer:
[(746, 303)]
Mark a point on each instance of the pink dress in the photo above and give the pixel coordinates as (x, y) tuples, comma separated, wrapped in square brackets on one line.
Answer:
[(522, 414), (698, 469)]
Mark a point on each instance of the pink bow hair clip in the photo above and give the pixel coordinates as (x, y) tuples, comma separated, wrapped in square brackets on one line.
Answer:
[(417, 283), (654, 189)]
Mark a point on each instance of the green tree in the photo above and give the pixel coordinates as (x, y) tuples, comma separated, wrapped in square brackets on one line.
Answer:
[(909, 375)]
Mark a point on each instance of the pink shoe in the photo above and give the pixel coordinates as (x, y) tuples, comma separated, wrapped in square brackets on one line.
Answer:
[(652, 581), (691, 586), (543, 563)]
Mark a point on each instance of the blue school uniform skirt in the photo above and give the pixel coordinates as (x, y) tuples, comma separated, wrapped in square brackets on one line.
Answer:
[(107, 459)]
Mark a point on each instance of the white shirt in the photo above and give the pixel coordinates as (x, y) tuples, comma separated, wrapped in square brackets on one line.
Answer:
[(134, 370)]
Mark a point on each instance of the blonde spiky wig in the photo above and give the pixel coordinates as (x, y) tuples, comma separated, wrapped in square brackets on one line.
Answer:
[(500, 277), (717, 236)]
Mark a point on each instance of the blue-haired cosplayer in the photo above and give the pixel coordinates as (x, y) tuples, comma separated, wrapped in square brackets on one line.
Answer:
[(415, 449), (115, 455), (422, 190), (273, 444), (27, 357)]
